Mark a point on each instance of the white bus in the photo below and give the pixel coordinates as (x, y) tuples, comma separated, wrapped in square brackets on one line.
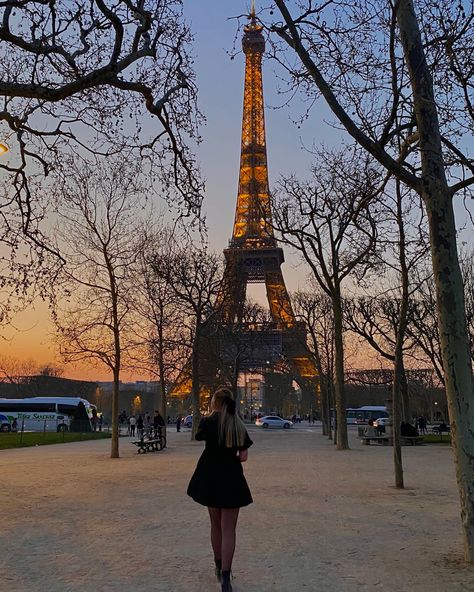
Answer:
[(361, 415), (53, 414)]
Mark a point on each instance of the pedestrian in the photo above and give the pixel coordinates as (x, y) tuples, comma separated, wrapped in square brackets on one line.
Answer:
[(140, 424), (419, 423), (178, 423), (218, 481), (424, 423), (94, 419), (133, 423), (370, 430), (158, 422), (15, 425), (101, 421), (147, 421)]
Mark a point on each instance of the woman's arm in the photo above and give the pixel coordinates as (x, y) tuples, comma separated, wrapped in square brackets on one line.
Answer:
[(243, 455)]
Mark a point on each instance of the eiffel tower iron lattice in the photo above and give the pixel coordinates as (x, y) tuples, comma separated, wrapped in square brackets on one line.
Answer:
[(253, 255)]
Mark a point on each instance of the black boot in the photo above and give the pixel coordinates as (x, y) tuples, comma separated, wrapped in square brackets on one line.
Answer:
[(218, 569), (226, 586)]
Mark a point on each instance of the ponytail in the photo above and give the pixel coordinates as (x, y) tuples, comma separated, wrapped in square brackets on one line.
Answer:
[(232, 430)]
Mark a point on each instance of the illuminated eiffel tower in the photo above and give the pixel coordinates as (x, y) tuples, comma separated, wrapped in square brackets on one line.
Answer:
[(253, 255)]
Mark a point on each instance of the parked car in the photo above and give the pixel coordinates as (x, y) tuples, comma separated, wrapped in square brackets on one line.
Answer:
[(273, 421), (188, 421)]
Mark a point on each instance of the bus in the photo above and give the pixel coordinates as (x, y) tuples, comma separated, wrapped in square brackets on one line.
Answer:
[(51, 414), (361, 415)]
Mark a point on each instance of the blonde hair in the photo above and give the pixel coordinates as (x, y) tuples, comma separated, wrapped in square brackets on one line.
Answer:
[(232, 431)]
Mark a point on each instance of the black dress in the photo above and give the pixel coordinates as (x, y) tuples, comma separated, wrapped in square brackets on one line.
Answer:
[(218, 481)]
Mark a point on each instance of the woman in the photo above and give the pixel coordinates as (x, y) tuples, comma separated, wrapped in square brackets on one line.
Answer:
[(218, 481)]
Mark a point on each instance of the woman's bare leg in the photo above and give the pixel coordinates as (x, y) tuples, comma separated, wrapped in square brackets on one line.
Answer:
[(216, 532), (228, 525)]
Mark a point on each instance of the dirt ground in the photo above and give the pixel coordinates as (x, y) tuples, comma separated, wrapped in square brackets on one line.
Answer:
[(73, 520)]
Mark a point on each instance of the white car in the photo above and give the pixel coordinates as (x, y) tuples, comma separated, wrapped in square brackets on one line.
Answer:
[(273, 421), (381, 421)]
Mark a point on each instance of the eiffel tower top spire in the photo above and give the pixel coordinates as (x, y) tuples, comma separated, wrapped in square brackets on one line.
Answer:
[(252, 225), (252, 10)]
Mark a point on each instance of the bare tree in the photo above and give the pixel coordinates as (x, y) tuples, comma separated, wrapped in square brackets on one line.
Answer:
[(18, 373), (315, 309), (97, 230), (161, 348), (92, 78), (379, 66), (381, 318), (423, 328), (194, 275), (329, 221)]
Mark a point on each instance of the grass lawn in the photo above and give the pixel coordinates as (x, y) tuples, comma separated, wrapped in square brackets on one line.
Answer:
[(14, 440), (437, 439)]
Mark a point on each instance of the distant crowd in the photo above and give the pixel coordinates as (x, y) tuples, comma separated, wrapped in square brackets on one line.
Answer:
[(144, 424)]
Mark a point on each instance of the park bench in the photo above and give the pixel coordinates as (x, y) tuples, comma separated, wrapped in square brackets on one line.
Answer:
[(146, 445), (441, 429), (384, 440), (150, 443), (413, 440)]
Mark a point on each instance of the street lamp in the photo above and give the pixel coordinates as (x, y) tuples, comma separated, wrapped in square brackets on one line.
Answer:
[(4, 148)]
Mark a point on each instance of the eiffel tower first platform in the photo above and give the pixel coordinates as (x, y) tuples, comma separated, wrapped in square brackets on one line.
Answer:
[(253, 255)]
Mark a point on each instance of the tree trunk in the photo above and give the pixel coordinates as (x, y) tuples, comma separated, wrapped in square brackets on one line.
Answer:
[(405, 396), (235, 379), (457, 362), (324, 403), (453, 333), (163, 405), (118, 360), (342, 442), (196, 388), (114, 452), (162, 376), (329, 391), (397, 394)]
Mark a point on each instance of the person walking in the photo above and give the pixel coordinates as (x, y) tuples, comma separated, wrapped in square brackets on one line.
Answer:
[(218, 481), (147, 422), (132, 423), (140, 425), (158, 424), (178, 423), (158, 421)]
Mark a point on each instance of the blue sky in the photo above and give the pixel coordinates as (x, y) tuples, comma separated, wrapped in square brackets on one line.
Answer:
[(220, 83)]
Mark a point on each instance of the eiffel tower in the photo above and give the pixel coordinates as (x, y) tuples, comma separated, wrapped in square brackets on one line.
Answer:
[(253, 255)]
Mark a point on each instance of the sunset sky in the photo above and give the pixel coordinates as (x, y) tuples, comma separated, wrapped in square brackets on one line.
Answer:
[(220, 82)]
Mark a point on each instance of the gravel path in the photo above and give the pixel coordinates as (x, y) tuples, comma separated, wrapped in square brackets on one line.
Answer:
[(73, 520)]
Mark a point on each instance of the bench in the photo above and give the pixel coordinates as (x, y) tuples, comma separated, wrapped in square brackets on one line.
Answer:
[(441, 429), (413, 440), (149, 445), (384, 440)]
